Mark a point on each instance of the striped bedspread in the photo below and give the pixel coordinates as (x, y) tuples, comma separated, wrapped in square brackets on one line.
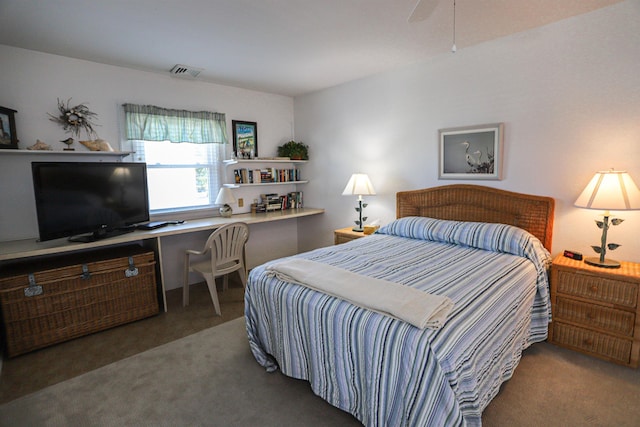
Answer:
[(387, 372)]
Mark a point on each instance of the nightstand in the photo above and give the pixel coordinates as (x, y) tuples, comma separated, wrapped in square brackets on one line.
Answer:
[(595, 310), (346, 234)]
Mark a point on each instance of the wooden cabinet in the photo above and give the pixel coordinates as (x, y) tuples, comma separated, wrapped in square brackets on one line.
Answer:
[(346, 234), (596, 310)]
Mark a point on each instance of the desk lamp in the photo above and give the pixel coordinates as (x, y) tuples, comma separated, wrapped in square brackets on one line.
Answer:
[(360, 185), (608, 190), (225, 196)]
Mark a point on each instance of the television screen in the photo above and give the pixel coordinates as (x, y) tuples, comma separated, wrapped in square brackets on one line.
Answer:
[(100, 198)]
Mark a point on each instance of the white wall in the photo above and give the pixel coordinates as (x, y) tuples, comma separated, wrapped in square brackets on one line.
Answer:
[(30, 82), (568, 94)]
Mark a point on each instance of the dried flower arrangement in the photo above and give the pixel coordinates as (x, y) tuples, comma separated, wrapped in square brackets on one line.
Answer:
[(75, 119)]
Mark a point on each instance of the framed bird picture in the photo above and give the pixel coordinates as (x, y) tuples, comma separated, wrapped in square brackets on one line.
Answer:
[(8, 136), (471, 152)]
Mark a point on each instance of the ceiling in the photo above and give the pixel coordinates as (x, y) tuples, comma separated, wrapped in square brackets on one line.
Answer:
[(287, 47)]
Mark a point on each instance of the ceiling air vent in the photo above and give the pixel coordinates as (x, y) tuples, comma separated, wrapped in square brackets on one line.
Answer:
[(185, 71)]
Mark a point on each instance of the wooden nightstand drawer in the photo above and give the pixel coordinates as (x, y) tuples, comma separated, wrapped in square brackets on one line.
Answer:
[(596, 310), (598, 288), (591, 315), (602, 345)]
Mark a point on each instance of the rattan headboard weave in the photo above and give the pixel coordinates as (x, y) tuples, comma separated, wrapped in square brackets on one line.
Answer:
[(464, 202)]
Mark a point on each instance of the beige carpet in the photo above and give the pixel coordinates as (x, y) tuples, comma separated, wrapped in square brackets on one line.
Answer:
[(211, 379)]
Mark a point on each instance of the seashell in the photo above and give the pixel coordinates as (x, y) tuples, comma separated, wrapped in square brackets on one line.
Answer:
[(97, 145), (39, 145), (91, 145), (104, 145)]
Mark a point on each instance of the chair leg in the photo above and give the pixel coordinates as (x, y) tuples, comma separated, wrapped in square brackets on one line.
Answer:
[(225, 282), (211, 284), (243, 276)]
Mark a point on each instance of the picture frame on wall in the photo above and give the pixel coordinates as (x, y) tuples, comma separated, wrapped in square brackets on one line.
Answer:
[(245, 139), (8, 136), (471, 152)]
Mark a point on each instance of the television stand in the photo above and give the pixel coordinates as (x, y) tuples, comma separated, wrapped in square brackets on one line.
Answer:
[(101, 234)]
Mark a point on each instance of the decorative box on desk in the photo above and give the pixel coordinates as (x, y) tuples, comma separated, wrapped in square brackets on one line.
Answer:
[(50, 301), (595, 310)]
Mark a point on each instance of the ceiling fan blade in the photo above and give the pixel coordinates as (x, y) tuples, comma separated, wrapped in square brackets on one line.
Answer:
[(422, 10)]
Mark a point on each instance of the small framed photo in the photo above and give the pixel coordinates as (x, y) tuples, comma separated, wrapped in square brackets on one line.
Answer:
[(471, 152), (8, 136), (245, 139)]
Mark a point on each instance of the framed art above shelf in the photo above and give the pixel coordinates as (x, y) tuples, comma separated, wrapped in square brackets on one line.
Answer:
[(8, 136)]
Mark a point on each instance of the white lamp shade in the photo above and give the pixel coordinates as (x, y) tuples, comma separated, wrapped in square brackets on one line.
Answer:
[(610, 190), (225, 196), (360, 185)]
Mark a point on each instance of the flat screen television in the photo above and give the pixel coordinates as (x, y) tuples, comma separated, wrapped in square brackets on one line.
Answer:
[(102, 199)]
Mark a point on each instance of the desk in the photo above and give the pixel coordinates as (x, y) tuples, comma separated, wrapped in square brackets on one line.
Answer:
[(19, 249)]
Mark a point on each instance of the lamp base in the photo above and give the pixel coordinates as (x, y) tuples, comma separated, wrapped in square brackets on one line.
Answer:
[(358, 229), (607, 263), (226, 211)]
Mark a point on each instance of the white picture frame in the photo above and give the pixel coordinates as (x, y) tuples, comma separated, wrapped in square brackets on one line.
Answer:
[(471, 152)]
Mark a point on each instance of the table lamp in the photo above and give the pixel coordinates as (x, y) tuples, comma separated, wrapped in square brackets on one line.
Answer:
[(360, 185), (607, 191), (225, 196)]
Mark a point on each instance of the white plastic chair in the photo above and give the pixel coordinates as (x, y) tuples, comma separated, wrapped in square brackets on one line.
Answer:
[(227, 247)]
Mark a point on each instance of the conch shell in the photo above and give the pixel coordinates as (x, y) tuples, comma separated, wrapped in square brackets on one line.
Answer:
[(97, 145)]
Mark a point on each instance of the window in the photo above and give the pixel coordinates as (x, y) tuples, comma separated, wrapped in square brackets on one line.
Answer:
[(180, 176), (183, 152)]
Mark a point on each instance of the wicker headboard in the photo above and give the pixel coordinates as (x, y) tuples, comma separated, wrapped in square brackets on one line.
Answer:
[(463, 202)]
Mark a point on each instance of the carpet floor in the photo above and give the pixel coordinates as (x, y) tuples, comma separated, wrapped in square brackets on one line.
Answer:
[(206, 379), (209, 378), (33, 371)]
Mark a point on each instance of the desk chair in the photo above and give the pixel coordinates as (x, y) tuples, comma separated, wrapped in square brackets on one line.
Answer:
[(227, 247)]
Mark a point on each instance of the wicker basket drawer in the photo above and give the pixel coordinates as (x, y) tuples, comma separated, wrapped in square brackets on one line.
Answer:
[(60, 302), (599, 288), (596, 343), (591, 315)]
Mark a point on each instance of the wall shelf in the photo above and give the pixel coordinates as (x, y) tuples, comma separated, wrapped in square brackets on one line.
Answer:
[(259, 184), (67, 153), (264, 160)]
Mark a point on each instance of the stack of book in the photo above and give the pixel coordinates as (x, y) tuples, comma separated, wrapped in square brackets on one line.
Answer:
[(273, 202)]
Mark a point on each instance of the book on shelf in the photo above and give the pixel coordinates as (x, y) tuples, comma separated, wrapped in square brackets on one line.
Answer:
[(265, 175), (272, 202)]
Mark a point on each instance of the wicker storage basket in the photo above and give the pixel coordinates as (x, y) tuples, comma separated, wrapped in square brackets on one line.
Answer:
[(50, 301)]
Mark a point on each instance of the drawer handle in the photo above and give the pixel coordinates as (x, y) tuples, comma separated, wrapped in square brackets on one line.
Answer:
[(33, 289), (594, 288), (587, 341), (589, 315)]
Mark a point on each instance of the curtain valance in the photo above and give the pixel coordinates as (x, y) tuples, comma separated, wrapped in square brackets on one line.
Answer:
[(151, 123)]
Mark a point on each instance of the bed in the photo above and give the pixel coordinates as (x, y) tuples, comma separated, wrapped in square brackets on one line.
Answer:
[(484, 250)]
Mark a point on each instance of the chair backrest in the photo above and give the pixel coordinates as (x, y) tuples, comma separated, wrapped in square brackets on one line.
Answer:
[(227, 244)]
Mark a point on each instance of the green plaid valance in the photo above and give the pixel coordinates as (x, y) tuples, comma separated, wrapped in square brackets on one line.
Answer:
[(151, 123)]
